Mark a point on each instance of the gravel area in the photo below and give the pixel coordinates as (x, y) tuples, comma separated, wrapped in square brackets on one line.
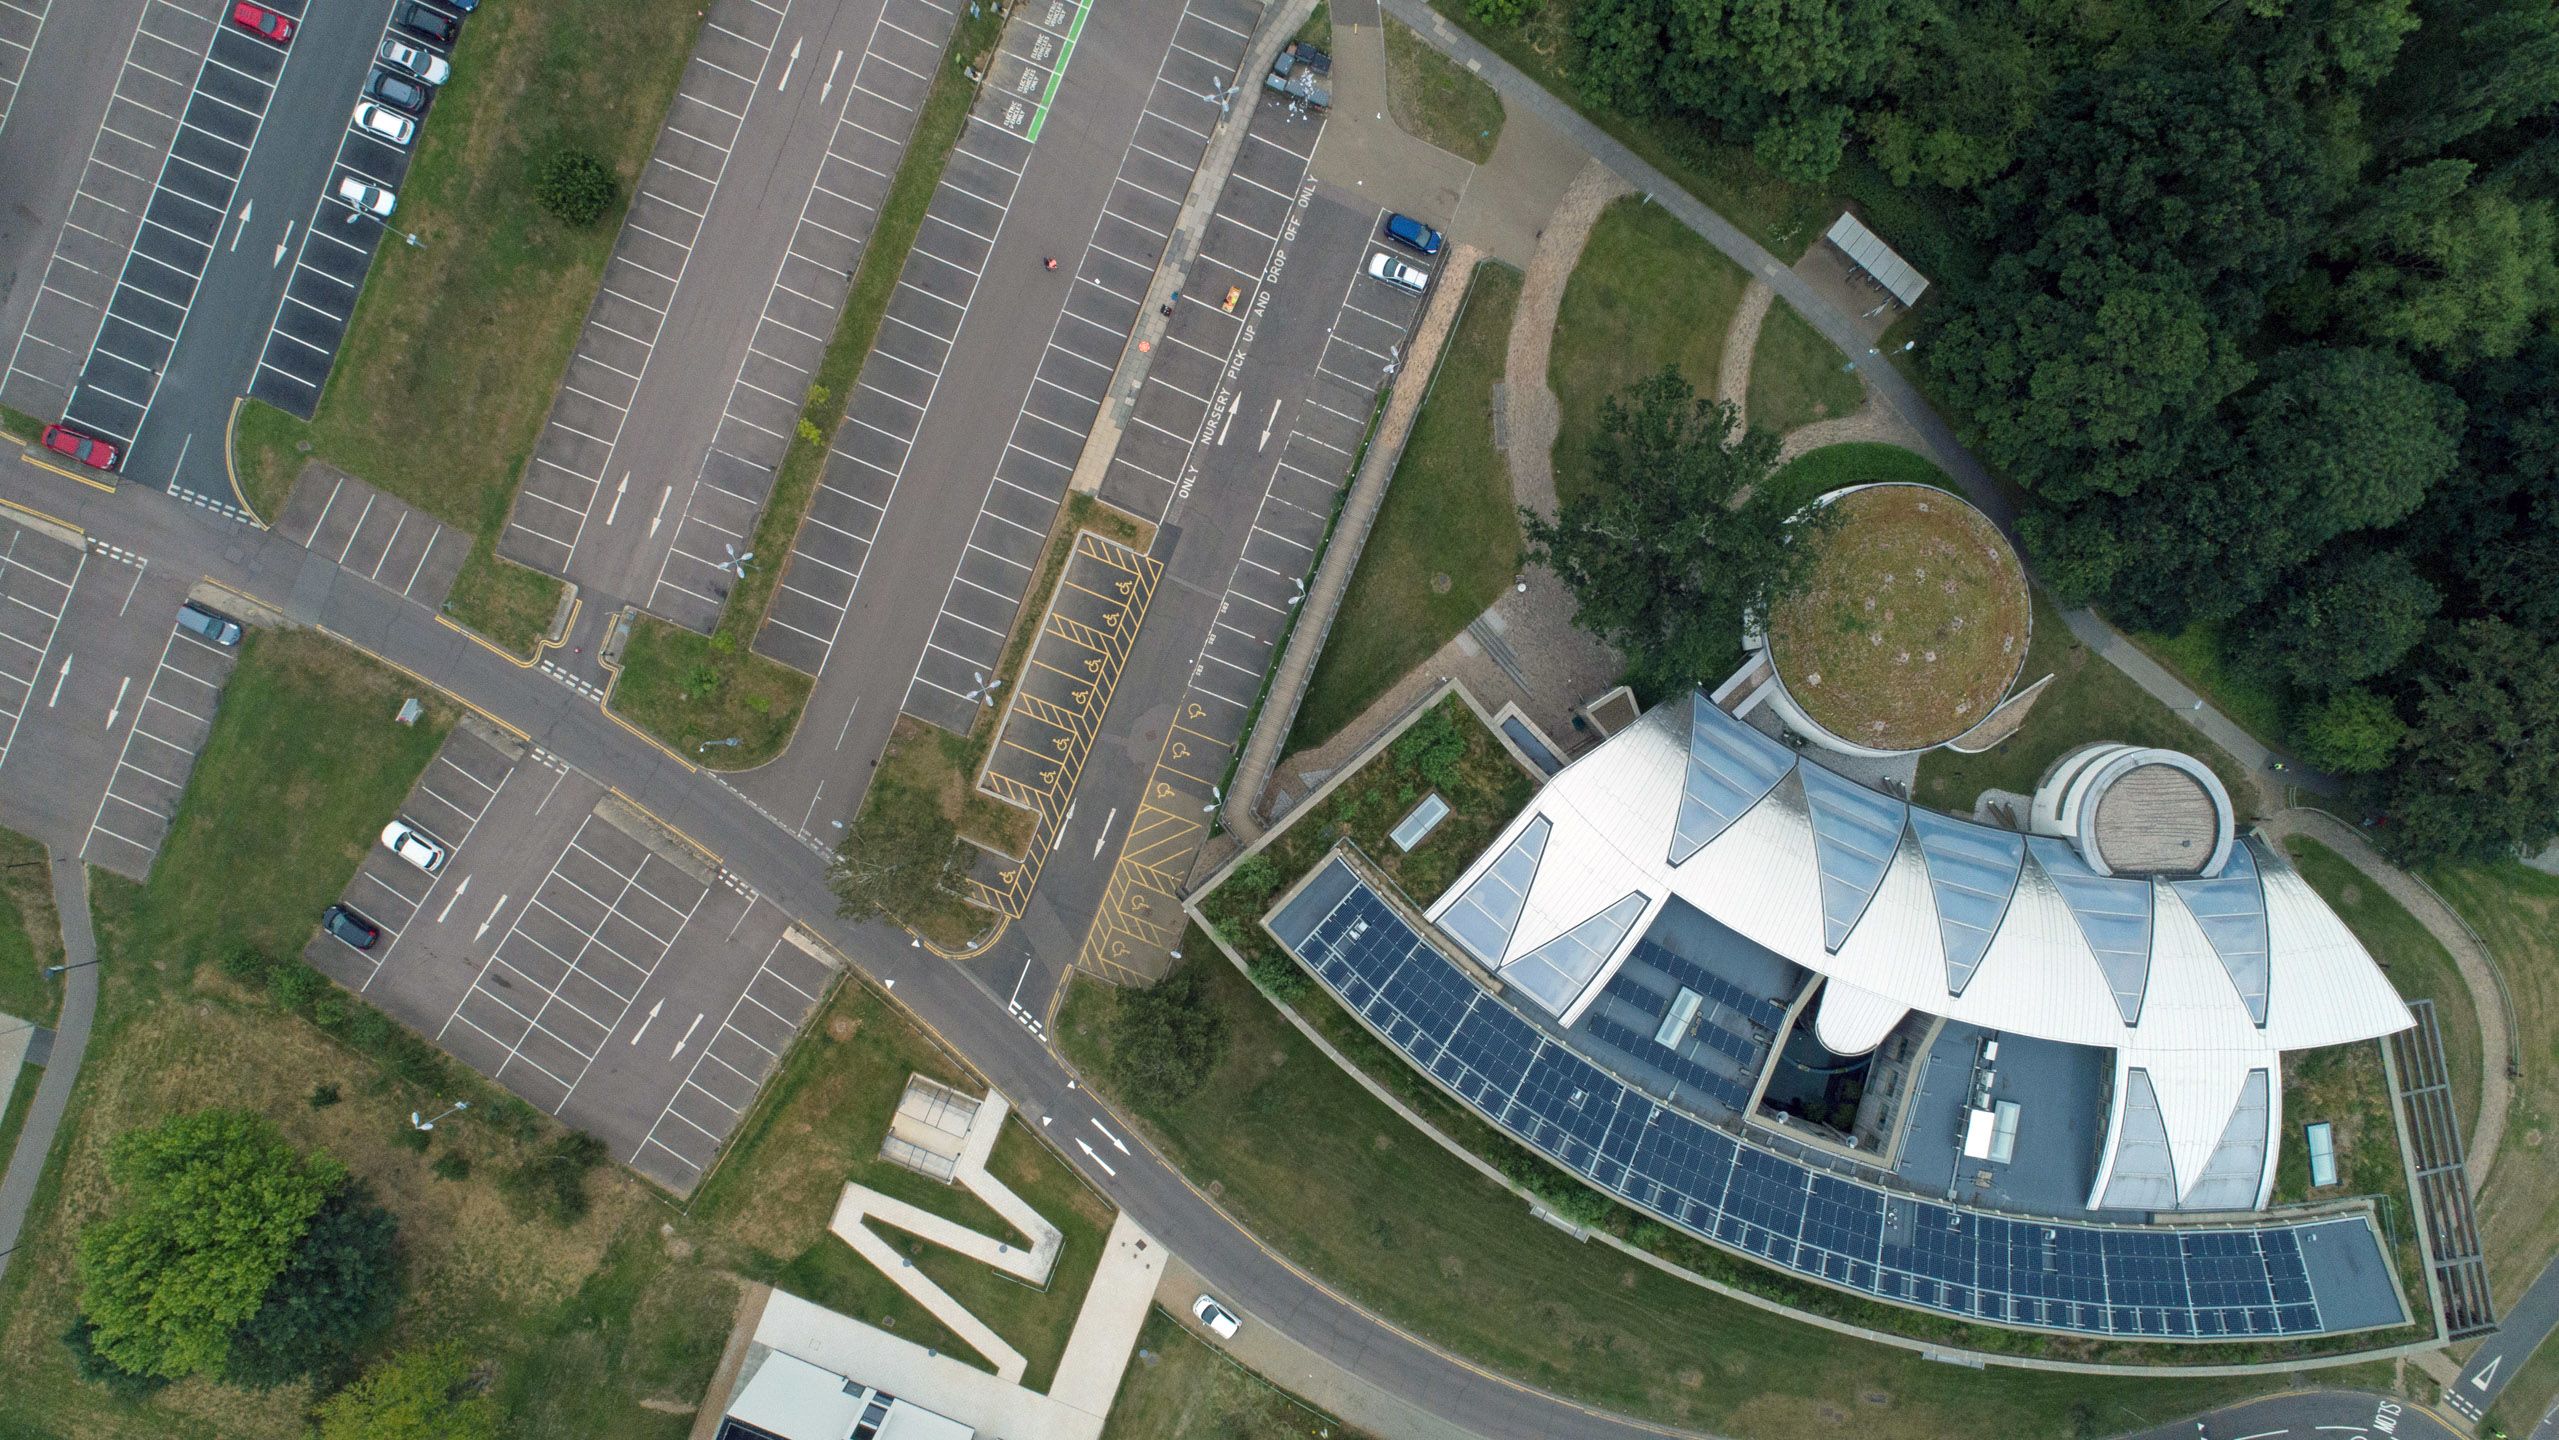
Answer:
[(1533, 411), (1741, 342)]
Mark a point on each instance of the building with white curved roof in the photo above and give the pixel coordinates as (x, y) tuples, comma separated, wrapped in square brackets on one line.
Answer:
[(2136, 923)]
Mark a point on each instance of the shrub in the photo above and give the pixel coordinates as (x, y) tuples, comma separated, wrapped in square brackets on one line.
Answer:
[(551, 1184), (323, 1096), (371, 1031), (97, 1369), (1433, 747), (2352, 732), (451, 1166), (575, 186), (1279, 976), (414, 1139), (1506, 13), (1166, 1038), (247, 964), (296, 985)]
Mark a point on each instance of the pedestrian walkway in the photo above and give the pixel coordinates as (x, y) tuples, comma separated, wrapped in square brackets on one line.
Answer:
[(62, 1067)]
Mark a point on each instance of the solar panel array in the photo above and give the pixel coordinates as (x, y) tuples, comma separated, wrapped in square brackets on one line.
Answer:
[(2240, 1282)]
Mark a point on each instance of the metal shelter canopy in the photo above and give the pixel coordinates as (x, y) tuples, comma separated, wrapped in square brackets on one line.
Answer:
[(1869, 253)]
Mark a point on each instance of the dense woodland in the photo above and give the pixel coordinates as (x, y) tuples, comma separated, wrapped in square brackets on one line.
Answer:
[(2258, 302)]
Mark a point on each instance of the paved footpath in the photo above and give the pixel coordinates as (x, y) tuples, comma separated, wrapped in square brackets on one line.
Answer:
[(70, 1042)]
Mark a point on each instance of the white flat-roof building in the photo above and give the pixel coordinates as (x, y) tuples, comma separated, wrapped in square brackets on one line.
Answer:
[(2137, 923)]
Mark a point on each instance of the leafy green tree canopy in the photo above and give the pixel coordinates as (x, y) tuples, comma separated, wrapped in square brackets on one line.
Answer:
[(2352, 732), (2479, 775), (213, 1203), (333, 1297), (2347, 619), (414, 1395), (1167, 1038)]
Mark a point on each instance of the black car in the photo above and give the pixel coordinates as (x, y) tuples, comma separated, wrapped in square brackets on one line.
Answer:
[(397, 91), (426, 23), (350, 927)]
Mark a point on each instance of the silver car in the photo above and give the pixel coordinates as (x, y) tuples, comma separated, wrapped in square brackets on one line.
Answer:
[(1382, 266), (415, 61)]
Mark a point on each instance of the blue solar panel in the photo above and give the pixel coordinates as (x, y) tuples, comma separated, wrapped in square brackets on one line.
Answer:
[(2105, 1280)]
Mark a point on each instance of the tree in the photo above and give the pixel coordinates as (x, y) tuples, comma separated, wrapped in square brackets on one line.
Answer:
[(1678, 538), (1167, 1038), (2348, 619), (213, 1204), (2479, 775), (2466, 278), (414, 1395), (2352, 732), (576, 186), (331, 1299)]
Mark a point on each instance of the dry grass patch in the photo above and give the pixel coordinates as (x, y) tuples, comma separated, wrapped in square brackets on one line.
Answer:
[(1913, 624)]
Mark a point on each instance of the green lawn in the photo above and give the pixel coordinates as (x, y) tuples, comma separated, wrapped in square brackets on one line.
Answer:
[(2516, 910), (1177, 1388), (1857, 462), (2088, 700), (1647, 293), (1340, 1185), (30, 931), (685, 688), (1796, 376), (2419, 967), (459, 342), (2198, 656), (20, 424), (1318, 29), (1436, 99), (1446, 541)]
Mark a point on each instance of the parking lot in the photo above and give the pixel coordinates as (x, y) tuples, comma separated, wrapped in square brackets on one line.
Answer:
[(731, 1066), (181, 226), (37, 576), (801, 308), (650, 255), (338, 245), (1083, 351), (360, 529), (170, 718), (153, 89), (460, 784), (20, 24)]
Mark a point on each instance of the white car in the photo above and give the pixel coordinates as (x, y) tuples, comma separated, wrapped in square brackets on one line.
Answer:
[(1216, 1317), (384, 123), (414, 845), (367, 199), (420, 64), (1382, 266)]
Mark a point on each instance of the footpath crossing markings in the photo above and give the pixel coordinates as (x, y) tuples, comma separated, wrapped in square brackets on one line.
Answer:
[(367, 533), (170, 719), (1140, 917), (872, 130), (182, 223), (21, 24), (894, 389), (1103, 303), (337, 248), (574, 454), (37, 575), (731, 1067), (448, 802), (1056, 709), (115, 187)]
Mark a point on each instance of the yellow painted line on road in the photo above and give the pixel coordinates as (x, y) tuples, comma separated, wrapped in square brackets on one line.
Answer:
[(485, 643), (230, 464), (34, 513), (26, 458)]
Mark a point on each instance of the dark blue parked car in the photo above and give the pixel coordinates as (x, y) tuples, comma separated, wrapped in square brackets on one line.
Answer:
[(1412, 234)]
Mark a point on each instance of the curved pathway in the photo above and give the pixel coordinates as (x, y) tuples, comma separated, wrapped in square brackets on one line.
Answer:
[(70, 1042), (1741, 344), (1534, 414), (2477, 967)]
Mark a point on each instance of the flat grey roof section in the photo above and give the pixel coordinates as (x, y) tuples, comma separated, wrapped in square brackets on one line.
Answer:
[(2443, 1184), (2350, 1278), (2062, 1092), (1877, 259)]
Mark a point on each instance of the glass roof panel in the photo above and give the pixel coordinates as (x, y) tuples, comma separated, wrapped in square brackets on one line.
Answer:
[(1731, 767), (1972, 870), (2231, 909), (1484, 917), (2113, 915), (1854, 833)]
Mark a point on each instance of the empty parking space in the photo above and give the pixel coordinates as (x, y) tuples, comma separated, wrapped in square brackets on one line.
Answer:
[(360, 529), (337, 248), (574, 455), (895, 387), (801, 307), (466, 778), (171, 713), (1101, 309), (37, 577), (182, 223), (21, 23), (731, 1065), (153, 89)]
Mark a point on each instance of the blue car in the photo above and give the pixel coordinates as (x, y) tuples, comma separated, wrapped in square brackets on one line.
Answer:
[(1412, 234)]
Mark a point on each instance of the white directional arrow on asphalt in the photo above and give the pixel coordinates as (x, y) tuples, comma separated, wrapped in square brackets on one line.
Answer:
[(58, 681), (282, 245), (458, 892), (1233, 409), (2480, 1380), (1116, 1142), (1096, 1159), (244, 223), (688, 1036), (118, 708), (785, 82), (646, 1021), (1267, 423), (619, 491), (661, 515), (829, 87), (492, 920)]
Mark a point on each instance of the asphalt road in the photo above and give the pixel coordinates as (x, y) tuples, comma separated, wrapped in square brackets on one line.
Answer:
[(2526, 1324), (2311, 1415), (184, 439), (45, 142)]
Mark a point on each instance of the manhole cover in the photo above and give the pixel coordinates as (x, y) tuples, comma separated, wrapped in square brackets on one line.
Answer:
[(1440, 583)]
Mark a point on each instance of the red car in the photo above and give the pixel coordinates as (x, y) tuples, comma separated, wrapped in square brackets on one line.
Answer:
[(96, 454), (262, 22)]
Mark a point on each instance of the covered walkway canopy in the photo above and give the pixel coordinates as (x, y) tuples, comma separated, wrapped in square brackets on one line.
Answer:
[(1869, 253)]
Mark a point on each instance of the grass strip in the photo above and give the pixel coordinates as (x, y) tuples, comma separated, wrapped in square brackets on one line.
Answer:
[(30, 932), (686, 688), (21, 424), (459, 342), (1437, 100), (1796, 376)]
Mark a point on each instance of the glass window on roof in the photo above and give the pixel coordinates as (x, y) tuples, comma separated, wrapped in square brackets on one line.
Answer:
[(1731, 767)]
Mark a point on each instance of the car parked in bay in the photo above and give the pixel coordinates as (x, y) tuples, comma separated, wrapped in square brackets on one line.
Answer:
[(87, 450), (1410, 233), (418, 63), (385, 124)]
